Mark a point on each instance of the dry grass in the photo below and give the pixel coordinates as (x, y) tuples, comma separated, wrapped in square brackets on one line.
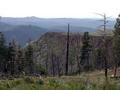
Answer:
[(86, 81)]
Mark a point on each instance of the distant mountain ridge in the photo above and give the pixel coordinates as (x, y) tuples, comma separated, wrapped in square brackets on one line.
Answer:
[(22, 33), (32, 27), (51, 22)]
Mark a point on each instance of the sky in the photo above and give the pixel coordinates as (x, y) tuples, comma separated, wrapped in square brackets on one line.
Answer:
[(59, 8)]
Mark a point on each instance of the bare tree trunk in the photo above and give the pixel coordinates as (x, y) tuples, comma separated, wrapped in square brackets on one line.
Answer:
[(46, 63), (115, 70), (106, 70), (106, 42), (67, 53), (53, 66), (78, 64), (58, 66), (71, 69)]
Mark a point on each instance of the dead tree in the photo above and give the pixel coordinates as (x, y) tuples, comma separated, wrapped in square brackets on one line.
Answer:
[(67, 52)]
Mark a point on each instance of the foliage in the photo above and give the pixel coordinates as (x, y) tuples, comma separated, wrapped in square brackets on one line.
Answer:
[(40, 69), (63, 83), (29, 80), (29, 64), (116, 44), (54, 83), (3, 52), (116, 40), (40, 82), (85, 52), (11, 58)]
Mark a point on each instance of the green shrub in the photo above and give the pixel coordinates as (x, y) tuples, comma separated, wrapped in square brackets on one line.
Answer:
[(3, 87), (31, 87), (41, 69), (112, 87), (12, 83), (29, 80), (54, 83), (17, 82), (39, 81), (76, 85), (8, 85)]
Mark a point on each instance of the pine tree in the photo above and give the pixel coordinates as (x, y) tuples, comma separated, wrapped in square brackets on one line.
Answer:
[(99, 58), (21, 61), (29, 64), (85, 52), (2, 39), (12, 61), (116, 44), (2, 52)]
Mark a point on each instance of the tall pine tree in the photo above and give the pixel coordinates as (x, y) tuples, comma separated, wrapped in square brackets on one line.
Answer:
[(116, 44), (3, 50), (21, 61), (29, 64), (12, 60), (85, 52)]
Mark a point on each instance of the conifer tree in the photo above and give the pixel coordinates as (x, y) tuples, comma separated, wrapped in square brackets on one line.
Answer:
[(85, 52), (29, 64), (2, 52), (21, 61), (116, 44), (11, 61)]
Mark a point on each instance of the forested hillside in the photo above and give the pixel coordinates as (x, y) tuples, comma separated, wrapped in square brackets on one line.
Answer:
[(22, 33), (50, 52)]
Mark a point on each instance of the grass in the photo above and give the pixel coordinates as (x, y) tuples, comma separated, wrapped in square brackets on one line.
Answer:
[(90, 81)]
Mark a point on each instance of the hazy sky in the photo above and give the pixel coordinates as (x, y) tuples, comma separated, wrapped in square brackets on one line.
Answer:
[(59, 8)]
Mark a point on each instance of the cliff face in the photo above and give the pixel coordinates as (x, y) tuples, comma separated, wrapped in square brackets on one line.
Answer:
[(50, 52)]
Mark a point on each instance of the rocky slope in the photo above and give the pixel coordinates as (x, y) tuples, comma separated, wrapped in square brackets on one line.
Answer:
[(50, 52)]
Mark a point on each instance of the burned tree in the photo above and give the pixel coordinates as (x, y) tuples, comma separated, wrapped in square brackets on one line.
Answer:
[(67, 52)]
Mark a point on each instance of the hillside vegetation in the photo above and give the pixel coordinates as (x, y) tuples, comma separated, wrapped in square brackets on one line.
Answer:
[(86, 81)]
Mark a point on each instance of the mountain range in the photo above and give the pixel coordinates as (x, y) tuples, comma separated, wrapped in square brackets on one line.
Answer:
[(23, 29)]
